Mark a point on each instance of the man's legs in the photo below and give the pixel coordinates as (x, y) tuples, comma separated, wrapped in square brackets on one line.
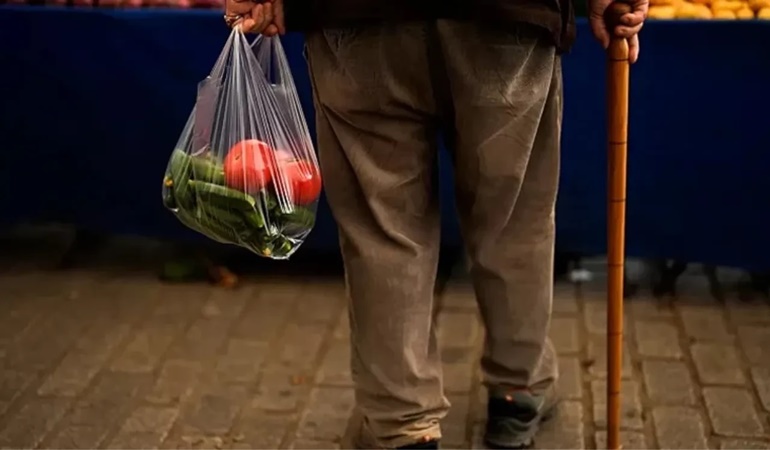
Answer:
[(376, 135), (506, 91)]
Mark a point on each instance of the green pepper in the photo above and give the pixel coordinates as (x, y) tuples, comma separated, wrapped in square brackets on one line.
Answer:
[(254, 218), (211, 224), (223, 197), (230, 217), (207, 169), (179, 172), (300, 216), (168, 193)]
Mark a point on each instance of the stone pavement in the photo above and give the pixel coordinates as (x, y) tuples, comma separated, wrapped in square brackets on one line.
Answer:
[(93, 359)]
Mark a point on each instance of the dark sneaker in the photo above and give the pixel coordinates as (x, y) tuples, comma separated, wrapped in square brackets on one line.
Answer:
[(423, 445), (513, 420)]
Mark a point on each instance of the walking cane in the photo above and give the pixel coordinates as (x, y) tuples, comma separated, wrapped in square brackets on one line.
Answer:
[(617, 129)]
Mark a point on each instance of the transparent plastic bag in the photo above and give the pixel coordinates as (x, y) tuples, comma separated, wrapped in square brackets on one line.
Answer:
[(244, 170)]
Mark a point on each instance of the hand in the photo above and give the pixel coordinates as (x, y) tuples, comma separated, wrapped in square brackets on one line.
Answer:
[(263, 16), (629, 27)]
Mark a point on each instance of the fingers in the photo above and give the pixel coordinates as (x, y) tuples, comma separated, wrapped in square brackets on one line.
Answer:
[(599, 30), (279, 22), (260, 17), (627, 32), (633, 48), (238, 7)]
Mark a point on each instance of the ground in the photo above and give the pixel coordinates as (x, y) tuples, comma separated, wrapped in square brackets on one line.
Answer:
[(106, 358)]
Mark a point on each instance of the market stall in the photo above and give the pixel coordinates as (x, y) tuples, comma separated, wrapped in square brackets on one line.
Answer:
[(93, 100)]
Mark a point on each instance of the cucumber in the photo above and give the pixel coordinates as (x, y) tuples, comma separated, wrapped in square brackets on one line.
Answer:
[(208, 170), (222, 197)]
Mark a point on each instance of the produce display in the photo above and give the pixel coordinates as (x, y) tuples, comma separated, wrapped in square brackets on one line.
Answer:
[(257, 197), (710, 9)]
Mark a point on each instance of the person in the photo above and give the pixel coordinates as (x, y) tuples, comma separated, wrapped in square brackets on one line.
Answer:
[(390, 76)]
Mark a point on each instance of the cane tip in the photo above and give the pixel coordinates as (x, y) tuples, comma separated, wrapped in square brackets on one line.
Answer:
[(615, 12)]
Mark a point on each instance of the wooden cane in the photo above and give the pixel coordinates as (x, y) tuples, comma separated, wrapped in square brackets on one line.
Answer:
[(617, 128)]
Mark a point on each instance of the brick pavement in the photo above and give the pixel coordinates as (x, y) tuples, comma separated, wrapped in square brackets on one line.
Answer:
[(102, 360)]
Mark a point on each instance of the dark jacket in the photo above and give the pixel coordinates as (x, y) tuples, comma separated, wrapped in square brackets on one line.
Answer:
[(556, 16)]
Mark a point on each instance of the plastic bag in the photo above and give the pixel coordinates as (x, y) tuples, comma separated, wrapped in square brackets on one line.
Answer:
[(244, 170)]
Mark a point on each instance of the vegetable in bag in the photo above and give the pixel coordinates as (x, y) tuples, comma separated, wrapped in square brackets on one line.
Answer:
[(244, 171)]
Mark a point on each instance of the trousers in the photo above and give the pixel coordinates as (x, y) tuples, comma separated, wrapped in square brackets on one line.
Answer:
[(383, 94)]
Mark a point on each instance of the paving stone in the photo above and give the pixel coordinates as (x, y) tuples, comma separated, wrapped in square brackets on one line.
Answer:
[(335, 368), (175, 381), (751, 312), (596, 360), (263, 318), (458, 329), (107, 400), (241, 361), (327, 414), (198, 441), (78, 436), (300, 348), (570, 378), (565, 335), (679, 428), (595, 315), (138, 441), (147, 419), (36, 350), (213, 410), (668, 382), (146, 427), (259, 430), (647, 307), (454, 427), (565, 430), (732, 412), (147, 346), (657, 339), (226, 304), (717, 364), (630, 408), (704, 323), (565, 298), (756, 344), (79, 367), (761, 378), (458, 373), (459, 296), (279, 392), (310, 445), (35, 419), (203, 340), (744, 444), (13, 382), (321, 304), (628, 440)]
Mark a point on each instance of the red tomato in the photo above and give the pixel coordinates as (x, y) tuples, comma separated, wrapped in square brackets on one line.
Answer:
[(284, 156), (247, 166), (304, 179)]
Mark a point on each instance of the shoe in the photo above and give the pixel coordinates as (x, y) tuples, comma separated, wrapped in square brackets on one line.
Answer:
[(513, 420), (423, 445)]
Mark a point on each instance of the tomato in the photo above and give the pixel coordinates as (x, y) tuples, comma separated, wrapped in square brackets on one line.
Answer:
[(284, 156), (248, 166), (304, 179)]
